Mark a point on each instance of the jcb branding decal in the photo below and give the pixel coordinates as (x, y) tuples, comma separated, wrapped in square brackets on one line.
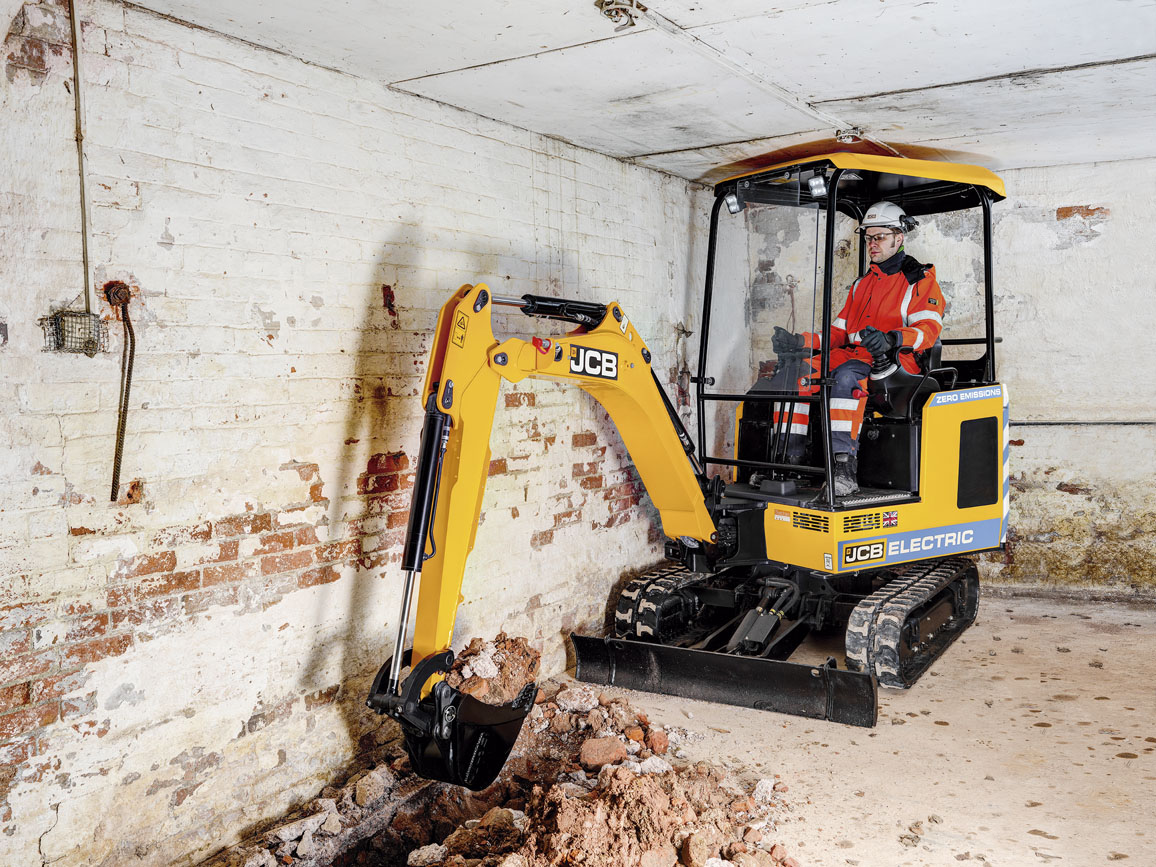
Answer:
[(920, 544), (593, 362), (864, 552)]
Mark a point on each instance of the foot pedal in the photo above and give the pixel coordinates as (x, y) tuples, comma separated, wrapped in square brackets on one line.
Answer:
[(451, 736)]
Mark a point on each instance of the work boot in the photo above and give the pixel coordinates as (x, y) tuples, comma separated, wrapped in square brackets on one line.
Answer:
[(846, 472)]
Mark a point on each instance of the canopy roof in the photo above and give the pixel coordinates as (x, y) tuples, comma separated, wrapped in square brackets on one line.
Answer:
[(918, 186)]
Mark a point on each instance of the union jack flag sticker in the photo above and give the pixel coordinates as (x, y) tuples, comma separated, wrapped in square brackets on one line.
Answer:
[(890, 519)]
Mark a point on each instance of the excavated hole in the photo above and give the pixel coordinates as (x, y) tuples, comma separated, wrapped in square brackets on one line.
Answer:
[(590, 782)]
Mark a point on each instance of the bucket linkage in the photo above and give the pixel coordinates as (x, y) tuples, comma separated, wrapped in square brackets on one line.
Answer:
[(449, 736)]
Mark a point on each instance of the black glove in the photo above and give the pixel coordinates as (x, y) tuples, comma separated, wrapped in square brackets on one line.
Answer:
[(877, 342), (784, 341)]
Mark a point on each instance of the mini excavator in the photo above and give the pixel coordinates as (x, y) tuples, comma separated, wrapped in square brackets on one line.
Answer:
[(761, 552)]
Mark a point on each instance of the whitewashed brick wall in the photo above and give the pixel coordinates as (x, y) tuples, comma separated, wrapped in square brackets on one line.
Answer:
[(179, 668)]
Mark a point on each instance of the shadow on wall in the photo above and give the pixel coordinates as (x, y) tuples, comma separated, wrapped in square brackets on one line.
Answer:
[(373, 497)]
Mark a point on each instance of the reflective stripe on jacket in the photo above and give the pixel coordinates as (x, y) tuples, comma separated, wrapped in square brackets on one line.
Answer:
[(888, 302)]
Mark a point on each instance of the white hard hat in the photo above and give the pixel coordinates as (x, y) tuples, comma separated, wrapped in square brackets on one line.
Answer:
[(887, 214)]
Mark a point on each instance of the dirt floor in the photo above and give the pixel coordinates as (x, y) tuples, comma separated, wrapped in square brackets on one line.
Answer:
[(1032, 740)]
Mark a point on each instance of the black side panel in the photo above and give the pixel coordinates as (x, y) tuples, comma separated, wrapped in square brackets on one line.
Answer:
[(889, 456), (979, 462)]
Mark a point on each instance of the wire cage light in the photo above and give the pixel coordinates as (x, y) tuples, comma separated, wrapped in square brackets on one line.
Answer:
[(74, 331)]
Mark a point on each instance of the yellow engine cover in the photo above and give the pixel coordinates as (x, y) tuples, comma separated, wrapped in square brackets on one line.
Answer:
[(963, 497)]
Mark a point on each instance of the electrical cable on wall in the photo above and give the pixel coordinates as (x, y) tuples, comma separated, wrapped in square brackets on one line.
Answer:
[(118, 296)]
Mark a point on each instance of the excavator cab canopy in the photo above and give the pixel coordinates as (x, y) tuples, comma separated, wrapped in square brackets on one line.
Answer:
[(784, 250), (920, 187)]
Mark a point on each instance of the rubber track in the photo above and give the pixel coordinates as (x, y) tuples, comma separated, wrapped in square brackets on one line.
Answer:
[(875, 625), (636, 614)]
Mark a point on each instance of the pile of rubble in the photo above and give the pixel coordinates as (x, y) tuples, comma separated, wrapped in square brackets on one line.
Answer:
[(591, 781)]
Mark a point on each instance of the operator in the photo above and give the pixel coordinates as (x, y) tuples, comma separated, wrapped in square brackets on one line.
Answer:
[(896, 303)]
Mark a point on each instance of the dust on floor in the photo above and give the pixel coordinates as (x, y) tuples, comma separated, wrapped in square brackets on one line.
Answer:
[(1031, 741)]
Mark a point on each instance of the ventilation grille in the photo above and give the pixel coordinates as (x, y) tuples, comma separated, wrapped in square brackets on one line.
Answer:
[(858, 523), (818, 523)]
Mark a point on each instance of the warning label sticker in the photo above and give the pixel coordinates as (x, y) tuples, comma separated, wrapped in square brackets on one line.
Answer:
[(461, 323)]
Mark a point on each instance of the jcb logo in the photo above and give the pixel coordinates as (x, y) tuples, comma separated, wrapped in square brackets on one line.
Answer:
[(863, 553), (593, 362)]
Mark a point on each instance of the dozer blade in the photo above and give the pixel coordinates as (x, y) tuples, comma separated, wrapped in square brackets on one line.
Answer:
[(816, 691), (451, 736)]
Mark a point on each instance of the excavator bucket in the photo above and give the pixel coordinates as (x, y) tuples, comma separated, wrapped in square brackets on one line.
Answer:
[(451, 736)]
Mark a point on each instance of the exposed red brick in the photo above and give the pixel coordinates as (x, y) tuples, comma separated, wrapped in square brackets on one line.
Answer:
[(313, 577), (397, 518), (618, 518), (585, 469), (84, 628), (167, 585), (225, 551), (102, 648), (273, 543), (203, 600), (541, 539), (520, 398), (154, 611), (15, 641), (227, 572), (71, 708), (624, 489), (305, 471), (57, 685), (568, 517), (391, 462), (80, 531), (26, 666), (148, 564), (132, 493), (242, 525), (586, 438), (1085, 211), (20, 616), (315, 495), (305, 536), (14, 753), (12, 696), (28, 719), (498, 467), (322, 697), (171, 537), (377, 484), (269, 715), (339, 552), (119, 596), (622, 504), (591, 483), (287, 562)]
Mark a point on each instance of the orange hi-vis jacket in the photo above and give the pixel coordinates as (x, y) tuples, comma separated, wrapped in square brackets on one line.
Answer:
[(908, 302)]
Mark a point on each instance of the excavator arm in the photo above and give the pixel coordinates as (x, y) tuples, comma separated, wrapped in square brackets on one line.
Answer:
[(450, 736)]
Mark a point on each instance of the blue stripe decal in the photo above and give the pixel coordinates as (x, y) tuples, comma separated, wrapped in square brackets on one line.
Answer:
[(920, 544)]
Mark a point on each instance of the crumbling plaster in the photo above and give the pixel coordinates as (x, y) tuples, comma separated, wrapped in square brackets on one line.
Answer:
[(178, 669), (186, 663)]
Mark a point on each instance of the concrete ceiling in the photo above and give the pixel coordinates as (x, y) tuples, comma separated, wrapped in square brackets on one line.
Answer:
[(700, 88)]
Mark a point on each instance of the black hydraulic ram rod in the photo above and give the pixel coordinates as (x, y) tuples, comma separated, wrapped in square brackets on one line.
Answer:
[(423, 506)]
